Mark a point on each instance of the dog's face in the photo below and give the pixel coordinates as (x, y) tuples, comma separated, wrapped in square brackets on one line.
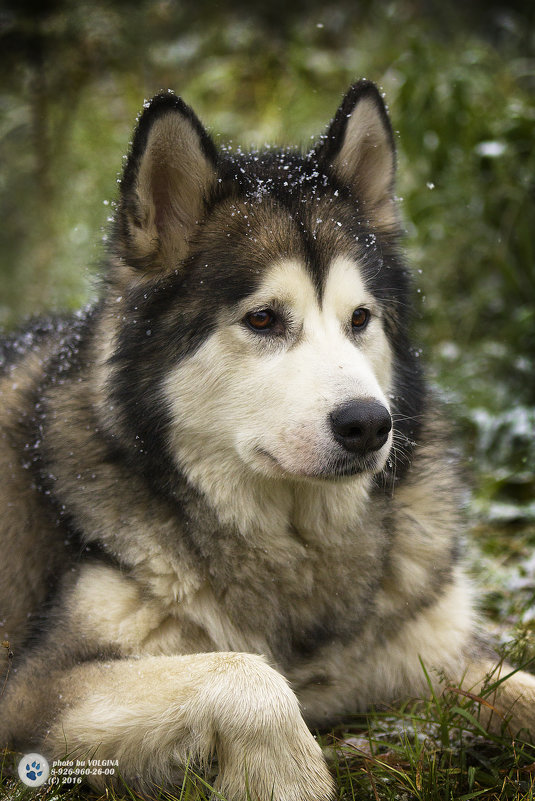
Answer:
[(293, 381), (274, 296)]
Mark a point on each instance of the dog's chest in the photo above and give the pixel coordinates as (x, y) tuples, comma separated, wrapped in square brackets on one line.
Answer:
[(291, 595), (286, 590)]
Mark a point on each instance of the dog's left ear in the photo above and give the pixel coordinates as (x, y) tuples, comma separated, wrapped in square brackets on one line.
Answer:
[(359, 148), (168, 178)]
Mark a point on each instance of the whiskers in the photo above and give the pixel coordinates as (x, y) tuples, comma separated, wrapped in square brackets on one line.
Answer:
[(401, 452)]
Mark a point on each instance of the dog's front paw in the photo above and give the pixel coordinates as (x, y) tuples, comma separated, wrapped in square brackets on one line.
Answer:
[(281, 772), (268, 753), (265, 750)]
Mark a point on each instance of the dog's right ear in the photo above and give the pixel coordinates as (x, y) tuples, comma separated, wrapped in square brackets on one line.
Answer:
[(359, 148), (169, 175)]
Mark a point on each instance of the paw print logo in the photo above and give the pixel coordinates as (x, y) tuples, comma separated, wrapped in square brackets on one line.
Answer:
[(33, 770)]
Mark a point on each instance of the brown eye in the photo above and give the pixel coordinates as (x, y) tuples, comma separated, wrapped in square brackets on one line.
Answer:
[(360, 319), (262, 320)]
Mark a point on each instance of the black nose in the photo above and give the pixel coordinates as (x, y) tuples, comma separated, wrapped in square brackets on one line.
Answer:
[(361, 426)]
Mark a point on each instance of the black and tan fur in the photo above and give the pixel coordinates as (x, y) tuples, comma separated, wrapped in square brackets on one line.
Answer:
[(192, 568)]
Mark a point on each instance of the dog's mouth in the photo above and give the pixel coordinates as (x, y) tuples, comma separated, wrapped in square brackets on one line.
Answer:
[(336, 466)]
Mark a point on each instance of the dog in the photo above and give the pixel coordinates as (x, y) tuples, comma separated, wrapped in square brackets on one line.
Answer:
[(230, 508)]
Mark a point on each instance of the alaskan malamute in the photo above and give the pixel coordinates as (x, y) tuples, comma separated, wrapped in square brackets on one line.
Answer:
[(229, 507)]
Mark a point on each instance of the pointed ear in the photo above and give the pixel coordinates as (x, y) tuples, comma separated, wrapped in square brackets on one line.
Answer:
[(359, 148), (169, 175)]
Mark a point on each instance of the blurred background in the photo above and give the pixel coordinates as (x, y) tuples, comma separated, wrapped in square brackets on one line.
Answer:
[(459, 80)]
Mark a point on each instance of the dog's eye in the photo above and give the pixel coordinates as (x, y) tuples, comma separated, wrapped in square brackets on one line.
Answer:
[(360, 319), (262, 320)]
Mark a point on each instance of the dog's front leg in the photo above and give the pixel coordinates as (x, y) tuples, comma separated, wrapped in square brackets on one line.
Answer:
[(157, 714)]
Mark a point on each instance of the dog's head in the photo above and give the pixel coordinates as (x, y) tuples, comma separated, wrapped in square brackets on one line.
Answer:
[(262, 301)]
